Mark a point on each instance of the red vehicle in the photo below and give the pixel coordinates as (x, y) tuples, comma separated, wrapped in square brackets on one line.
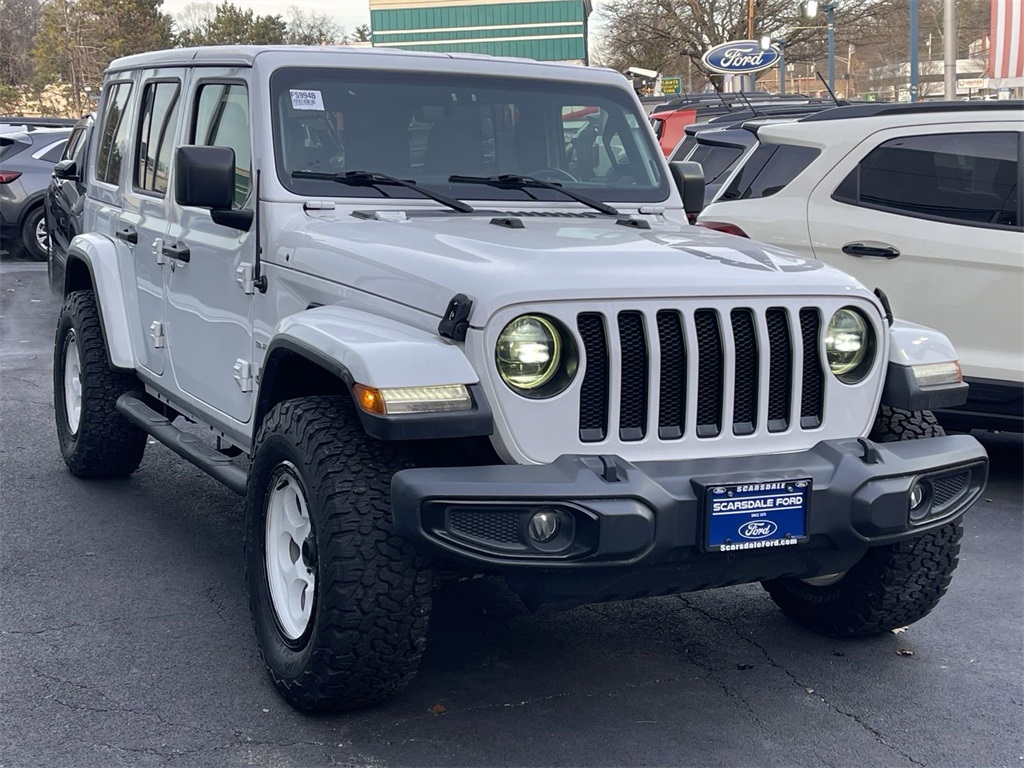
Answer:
[(668, 127)]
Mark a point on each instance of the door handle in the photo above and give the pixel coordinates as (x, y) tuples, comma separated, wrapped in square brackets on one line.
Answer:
[(177, 251), (128, 234), (877, 250)]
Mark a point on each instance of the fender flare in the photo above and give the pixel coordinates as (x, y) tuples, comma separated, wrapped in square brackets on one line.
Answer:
[(99, 255), (913, 345), (360, 347)]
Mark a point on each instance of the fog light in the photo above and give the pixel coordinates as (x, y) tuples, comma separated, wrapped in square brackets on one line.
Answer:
[(544, 526), (916, 500)]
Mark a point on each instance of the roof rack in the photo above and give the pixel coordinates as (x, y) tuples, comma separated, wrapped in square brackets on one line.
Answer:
[(901, 108)]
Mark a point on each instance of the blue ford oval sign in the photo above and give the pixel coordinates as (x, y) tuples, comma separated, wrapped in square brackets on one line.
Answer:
[(739, 57)]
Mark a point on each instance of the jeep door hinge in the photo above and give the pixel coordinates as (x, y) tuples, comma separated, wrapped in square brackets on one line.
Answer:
[(242, 371), (156, 333), (158, 251), (244, 278)]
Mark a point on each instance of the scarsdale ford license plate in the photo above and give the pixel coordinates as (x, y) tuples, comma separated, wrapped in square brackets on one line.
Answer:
[(757, 515)]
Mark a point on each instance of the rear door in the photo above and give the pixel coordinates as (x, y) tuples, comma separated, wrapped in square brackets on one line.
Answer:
[(932, 215)]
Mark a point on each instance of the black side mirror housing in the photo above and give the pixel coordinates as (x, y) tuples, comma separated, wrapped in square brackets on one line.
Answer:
[(689, 179), (204, 177), (66, 170)]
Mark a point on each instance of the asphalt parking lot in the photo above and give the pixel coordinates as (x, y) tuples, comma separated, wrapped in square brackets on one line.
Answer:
[(125, 640)]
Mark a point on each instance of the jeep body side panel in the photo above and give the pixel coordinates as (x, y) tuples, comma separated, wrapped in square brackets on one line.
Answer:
[(100, 258)]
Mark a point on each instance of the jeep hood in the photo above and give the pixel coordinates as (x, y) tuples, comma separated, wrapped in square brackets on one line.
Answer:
[(424, 260)]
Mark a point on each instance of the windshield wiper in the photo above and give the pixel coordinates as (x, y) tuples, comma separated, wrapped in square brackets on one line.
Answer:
[(512, 181), (370, 179)]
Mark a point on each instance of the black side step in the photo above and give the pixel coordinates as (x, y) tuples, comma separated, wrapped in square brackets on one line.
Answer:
[(185, 444)]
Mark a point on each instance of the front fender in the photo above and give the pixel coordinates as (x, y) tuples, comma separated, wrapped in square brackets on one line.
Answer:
[(376, 351), (912, 346), (98, 256)]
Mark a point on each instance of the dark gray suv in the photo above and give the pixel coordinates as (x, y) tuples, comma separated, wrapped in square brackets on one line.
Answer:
[(26, 162)]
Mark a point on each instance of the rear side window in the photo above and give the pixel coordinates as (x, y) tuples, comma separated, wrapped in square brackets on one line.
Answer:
[(768, 170), (715, 159), (53, 154), (157, 127), (967, 178), (113, 134), (684, 148), (222, 120)]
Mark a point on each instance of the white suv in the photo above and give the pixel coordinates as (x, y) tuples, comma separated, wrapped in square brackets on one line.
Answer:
[(922, 201), (457, 330)]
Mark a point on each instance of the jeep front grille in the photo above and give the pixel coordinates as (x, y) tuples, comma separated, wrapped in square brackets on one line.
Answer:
[(702, 354)]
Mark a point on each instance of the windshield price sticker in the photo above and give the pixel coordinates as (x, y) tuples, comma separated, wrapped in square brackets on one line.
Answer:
[(757, 515), (307, 100)]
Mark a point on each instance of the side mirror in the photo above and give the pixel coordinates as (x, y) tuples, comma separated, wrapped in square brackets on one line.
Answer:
[(66, 170), (689, 179), (204, 177)]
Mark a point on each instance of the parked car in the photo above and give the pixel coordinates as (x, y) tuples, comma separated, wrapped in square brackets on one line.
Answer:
[(920, 200), (26, 161), (26, 124), (487, 356), (65, 199)]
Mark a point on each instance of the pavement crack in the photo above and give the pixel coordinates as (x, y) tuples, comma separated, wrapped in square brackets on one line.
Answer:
[(796, 681)]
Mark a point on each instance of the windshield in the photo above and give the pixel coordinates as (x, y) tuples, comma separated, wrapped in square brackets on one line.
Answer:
[(427, 127)]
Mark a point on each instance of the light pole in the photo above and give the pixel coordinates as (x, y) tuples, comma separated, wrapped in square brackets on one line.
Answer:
[(810, 9), (915, 87), (780, 42)]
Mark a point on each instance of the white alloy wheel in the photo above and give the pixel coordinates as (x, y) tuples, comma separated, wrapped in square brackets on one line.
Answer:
[(72, 383), (289, 552), (42, 236)]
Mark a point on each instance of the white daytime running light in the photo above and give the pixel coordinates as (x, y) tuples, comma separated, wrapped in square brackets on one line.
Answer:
[(937, 374), (438, 399)]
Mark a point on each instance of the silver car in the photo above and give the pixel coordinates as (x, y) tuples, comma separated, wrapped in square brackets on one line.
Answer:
[(27, 158)]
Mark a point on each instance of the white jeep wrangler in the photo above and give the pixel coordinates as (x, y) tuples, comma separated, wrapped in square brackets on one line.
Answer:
[(451, 310)]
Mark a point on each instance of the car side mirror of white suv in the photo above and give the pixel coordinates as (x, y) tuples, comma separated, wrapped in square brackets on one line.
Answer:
[(205, 178)]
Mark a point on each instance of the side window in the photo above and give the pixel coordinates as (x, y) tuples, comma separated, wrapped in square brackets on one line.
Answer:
[(768, 170), (222, 120), (157, 128), (969, 178), (53, 154), (75, 140), (114, 133)]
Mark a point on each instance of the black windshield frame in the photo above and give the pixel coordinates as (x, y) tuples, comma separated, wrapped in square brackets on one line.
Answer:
[(655, 186)]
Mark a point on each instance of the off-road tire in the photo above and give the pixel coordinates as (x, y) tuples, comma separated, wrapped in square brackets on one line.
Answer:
[(29, 246), (891, 586), (372, 597), (106, 444), (895, 424)]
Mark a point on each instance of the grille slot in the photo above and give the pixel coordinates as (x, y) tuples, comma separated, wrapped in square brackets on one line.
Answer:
[(709, 373), (497, 526), (949, 488), (594, 389), (672, 413), (744, 337), (633, 405), (813, 392), (780, 369)]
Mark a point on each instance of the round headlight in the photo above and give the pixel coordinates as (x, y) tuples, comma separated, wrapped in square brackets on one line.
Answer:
[(535, 356), (848, 343)]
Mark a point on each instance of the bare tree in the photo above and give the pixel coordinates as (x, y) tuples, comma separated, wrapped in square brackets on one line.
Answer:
[(311, 28)]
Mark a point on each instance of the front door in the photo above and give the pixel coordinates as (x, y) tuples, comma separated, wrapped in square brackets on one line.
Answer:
[(209, 338)]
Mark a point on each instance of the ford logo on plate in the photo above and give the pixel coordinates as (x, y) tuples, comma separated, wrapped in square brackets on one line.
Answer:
[(738, 57), (757, 529)]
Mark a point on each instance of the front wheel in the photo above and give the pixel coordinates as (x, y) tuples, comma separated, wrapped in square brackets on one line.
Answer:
[(339, 603)]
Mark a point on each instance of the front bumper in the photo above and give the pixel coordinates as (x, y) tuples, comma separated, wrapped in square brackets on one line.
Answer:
[(639, 529)]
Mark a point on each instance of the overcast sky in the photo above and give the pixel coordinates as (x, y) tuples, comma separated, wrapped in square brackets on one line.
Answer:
[(349, 13)]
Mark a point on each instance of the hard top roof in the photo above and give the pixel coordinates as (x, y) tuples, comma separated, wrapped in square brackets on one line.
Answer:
[(903, 108)]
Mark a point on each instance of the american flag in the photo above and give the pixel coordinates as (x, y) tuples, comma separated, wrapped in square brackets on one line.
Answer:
[(1006, 55)]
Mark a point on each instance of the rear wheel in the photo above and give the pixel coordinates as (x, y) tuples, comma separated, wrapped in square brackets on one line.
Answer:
[(891, 586), (339, 603), (95, 439), (34, 236)]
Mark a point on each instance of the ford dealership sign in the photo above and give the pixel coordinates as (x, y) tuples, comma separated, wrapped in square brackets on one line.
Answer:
[(739, 57)]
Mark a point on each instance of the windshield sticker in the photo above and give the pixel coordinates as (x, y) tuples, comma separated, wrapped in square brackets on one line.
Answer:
[(307, 100)]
